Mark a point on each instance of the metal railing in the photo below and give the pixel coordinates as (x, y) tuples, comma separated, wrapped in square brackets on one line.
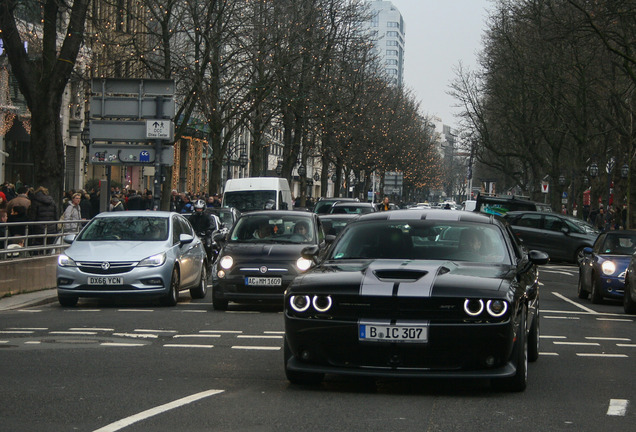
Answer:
[(48, 242)]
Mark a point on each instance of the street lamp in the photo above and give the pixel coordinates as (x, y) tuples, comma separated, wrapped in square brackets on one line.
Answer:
[(242, 158), (302, 170), (86, 136), (624, 171), (562, 180), (279, 168), (593, 170), (316, 177)]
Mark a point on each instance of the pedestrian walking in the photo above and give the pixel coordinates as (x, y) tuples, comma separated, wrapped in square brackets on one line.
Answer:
[(73, 212), (43, 208)]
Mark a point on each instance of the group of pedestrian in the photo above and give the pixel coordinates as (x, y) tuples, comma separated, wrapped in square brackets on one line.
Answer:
[(184, 202), (614, 219)]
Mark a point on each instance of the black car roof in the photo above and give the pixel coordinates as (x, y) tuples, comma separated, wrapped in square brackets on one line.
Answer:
[(428, 214), (279, 213)]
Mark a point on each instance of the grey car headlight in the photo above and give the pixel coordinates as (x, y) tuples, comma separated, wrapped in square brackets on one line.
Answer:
[(65, 261), (153, 261), (226, 262)]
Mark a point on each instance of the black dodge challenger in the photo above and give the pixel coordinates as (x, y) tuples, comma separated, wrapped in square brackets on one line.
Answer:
[(410, 293)]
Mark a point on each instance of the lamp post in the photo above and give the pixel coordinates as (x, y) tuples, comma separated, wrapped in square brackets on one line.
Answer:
[(279, 168), (242, 158)]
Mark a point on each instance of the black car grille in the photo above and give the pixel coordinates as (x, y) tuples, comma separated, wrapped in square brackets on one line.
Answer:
[(98, 267)]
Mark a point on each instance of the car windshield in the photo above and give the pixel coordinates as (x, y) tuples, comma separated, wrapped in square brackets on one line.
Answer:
[(273, 229), (133, 228), (225, 216), (250, 200), (334, 226), (417, 239), (619, 244), (351, 209)]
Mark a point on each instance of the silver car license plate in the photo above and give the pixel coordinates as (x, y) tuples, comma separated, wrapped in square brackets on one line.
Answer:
[(263, 281), (106, 280)]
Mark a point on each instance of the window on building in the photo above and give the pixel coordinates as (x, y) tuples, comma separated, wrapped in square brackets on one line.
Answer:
[(391, 43)]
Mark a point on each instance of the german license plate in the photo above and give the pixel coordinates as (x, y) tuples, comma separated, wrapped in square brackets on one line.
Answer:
[(263, 281), (106, 280), (393, 333)]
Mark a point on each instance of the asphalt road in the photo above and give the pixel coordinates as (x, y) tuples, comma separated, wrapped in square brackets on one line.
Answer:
[(105, 366)]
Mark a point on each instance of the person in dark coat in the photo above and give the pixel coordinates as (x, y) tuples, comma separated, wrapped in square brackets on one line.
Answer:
[(135, 201), (86, 208), (43, 208), (18, 214)]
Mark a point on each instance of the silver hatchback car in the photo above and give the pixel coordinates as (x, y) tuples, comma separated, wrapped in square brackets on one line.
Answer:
[(133, 253)]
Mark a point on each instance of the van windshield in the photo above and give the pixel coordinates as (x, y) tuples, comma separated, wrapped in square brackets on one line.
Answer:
[(250, 200)]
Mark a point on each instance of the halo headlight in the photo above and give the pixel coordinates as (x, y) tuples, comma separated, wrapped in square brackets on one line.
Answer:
[(300, 303), (497, 308), (226, 262), (322, 303), (608, 267), (473, 307)]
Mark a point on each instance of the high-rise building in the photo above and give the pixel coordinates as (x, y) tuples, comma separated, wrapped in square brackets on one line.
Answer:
[(387, 30)]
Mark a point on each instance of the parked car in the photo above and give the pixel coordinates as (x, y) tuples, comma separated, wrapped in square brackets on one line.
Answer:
[(333, 224), (323, 205), (501, 204), (352, 208), (562, 237), (262, 254), (133, 254), (603, 267), (392, 300)]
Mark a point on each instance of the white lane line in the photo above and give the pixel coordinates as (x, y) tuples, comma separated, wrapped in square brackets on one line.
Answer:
[(82, 310), (32, 342), (120, 424), (73, 332), (4, 341), (602, 355), (197, 336), (548, 354), (259, 337), (626, 345), (617, 407), (137, 335), (221, 331), (560, 317), (262, 348), (274, 332), (154, 331), (97, 329), (16, 332), (135, 310), (187, 346), (30, 310), (121, 344), (614, 319), (607, 338), (242, 312), (576, 343), (552, 337), (580, 306), (28, 328), (191, 311)]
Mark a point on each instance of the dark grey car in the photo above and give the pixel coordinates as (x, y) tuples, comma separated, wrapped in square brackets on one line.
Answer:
[(563, 238)]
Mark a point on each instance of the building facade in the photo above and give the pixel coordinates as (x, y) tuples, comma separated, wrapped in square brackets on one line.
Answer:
[(387, 31)]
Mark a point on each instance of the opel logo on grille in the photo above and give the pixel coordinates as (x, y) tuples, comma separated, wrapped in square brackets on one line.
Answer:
[(263, 269), (105, 266)]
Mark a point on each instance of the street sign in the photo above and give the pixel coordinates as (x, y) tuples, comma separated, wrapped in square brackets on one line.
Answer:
[(159, 129), (545, 187), (132, 154)]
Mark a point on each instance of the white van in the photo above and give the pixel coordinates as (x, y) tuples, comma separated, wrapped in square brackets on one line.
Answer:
[(257, 193)]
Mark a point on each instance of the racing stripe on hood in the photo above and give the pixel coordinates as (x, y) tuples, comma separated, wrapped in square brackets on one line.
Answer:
[(409, 279)]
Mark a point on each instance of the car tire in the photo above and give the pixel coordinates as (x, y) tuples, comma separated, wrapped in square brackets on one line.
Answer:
[(201, 289), (296, 377), (579, 255), (67, 301), (519, 381), (172, 297), (217, 302), (628, 303), (595, 294), (582, 293), (533, 338)]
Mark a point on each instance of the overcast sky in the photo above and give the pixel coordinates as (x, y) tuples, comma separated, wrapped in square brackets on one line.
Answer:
[(439, 35)]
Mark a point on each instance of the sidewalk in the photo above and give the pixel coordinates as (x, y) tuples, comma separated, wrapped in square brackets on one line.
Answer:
[(30, 299)]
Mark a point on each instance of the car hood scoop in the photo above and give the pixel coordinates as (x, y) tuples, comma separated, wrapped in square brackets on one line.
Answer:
[(410, 278), (402, 275)]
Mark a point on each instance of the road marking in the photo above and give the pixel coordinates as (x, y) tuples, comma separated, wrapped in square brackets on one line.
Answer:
[(259, 337), (274, 332), (262, 348), (16, 332), (221, 331), (617, 407), (4, 341), (28, 328), (121, 344), (73, 332), (626, 345), (32, 342), (548, 354), (191, 311), (576, 343), (30, 310), (120, 424), (198, 336), (562, 297), (154, 331), (614, 319), (552, 337), (137, 335), (607, 338), (187, 346), (135, 310), (92, 329), (242, 312), (601, 355), (559, 317)]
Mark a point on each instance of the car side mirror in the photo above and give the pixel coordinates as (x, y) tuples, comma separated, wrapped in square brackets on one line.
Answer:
[(219, 237), (538, 257), (587, 250), (330, 238), (185, 239), (310, 252), (69, 238)]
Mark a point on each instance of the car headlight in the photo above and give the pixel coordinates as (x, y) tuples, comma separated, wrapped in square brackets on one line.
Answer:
[(303, 264), (608, 268), (226, 262), (300, 303), (65, 261), (473, 307), (153, 261), (496, 308)]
